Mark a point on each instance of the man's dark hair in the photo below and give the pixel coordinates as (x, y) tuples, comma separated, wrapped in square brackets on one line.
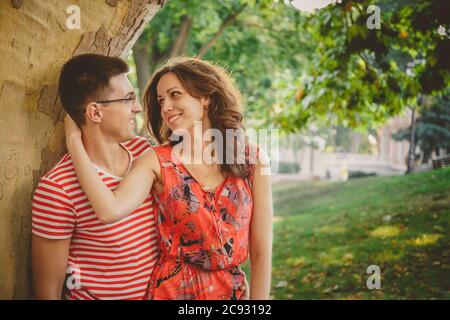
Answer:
[(83, 79)]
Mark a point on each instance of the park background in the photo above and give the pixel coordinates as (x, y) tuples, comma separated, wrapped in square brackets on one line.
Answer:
[(359, 94)]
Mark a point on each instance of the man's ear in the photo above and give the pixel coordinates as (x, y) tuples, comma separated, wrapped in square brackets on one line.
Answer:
[(93, 112)]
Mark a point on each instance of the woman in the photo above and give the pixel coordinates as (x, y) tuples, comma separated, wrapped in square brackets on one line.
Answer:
[(210, 215)]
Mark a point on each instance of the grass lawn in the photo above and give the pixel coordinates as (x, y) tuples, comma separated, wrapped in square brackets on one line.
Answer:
[(327, 234)]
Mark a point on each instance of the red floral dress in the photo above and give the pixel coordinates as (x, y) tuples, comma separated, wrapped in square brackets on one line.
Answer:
[(204, 235)]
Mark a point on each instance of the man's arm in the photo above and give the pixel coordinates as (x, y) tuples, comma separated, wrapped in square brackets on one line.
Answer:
[(49, 263)]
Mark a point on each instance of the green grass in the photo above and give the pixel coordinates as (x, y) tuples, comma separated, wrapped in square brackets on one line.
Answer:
[(327, 234)]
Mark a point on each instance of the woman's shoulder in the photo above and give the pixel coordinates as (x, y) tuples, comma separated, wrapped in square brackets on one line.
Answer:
[(162, 152), (149, 161)]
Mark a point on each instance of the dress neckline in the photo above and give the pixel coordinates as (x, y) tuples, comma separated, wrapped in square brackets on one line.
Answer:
[(206, 189)]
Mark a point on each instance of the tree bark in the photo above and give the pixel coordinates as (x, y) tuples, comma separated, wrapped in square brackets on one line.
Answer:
[(34, 43)]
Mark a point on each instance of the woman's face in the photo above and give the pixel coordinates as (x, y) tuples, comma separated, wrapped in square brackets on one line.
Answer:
[(179, 109)]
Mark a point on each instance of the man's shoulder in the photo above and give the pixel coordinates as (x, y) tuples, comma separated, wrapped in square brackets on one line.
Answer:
[(137, 146), (62, 168), (52, 187)]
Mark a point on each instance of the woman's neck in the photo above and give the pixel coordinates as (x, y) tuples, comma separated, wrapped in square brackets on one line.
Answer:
[(200, 143)]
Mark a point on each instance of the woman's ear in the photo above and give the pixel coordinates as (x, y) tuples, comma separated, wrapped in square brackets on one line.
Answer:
[(93, 112), (205, 102)]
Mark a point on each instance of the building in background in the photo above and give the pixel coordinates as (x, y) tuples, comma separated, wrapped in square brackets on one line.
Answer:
[(388, 156)]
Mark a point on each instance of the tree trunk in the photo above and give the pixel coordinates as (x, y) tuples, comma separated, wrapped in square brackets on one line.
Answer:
[(35, 41), (179, 46), (148, 60), (412, 145), (141, 54)]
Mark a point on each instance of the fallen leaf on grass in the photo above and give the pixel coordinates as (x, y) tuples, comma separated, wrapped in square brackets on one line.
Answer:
[(333, 288), (424, 240), (281, 284), (386, 232)]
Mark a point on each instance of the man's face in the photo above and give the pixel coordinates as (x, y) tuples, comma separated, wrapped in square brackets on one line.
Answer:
[(118, 117)]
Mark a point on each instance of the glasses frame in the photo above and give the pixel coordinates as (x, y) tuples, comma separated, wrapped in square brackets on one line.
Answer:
[(132, 99)]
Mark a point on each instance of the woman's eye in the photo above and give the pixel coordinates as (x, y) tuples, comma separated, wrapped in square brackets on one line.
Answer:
[(175, 93)]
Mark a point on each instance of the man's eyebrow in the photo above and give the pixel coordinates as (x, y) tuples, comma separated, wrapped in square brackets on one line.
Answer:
[(169, 90)]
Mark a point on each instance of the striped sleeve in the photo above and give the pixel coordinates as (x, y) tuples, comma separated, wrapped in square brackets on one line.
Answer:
[(53, 214), (138, 146)]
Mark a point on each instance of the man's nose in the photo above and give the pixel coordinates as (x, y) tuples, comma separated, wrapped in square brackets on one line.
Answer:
[(137, 107)]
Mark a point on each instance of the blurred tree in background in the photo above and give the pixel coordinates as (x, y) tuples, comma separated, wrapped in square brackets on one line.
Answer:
[(432, 133)]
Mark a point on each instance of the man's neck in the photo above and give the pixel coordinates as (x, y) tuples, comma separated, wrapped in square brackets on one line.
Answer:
[(107, 154)]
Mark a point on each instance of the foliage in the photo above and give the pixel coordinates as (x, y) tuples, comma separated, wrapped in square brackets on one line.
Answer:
[(360, 77), (327, 68)]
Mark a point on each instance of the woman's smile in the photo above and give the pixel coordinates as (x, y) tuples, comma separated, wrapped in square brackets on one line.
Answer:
[(174, 117)]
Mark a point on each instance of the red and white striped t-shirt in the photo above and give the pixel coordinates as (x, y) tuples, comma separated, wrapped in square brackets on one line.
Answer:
[(113, 261)]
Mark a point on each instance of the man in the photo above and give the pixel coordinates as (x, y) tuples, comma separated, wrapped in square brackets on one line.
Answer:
[(72, 250)]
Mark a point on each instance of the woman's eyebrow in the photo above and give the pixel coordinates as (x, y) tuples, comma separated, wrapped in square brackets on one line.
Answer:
[(168, 90)]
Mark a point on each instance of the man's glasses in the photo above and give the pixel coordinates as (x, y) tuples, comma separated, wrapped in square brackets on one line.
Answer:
[(131, 100)]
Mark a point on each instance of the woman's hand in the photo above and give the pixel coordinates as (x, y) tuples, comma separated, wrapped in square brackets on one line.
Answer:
[(71, 129), (72, 132)]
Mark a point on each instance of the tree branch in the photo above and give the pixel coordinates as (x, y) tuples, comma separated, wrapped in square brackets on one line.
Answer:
[(229, 20)]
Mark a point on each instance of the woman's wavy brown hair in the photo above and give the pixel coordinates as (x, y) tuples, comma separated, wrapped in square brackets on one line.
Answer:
[(202, 79)]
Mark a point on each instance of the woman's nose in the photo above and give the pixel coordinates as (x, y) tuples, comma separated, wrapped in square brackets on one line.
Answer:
[(167, 105)]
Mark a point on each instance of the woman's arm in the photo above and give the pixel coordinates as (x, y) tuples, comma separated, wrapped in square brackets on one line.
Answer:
[(109, 206), (261, 233)]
